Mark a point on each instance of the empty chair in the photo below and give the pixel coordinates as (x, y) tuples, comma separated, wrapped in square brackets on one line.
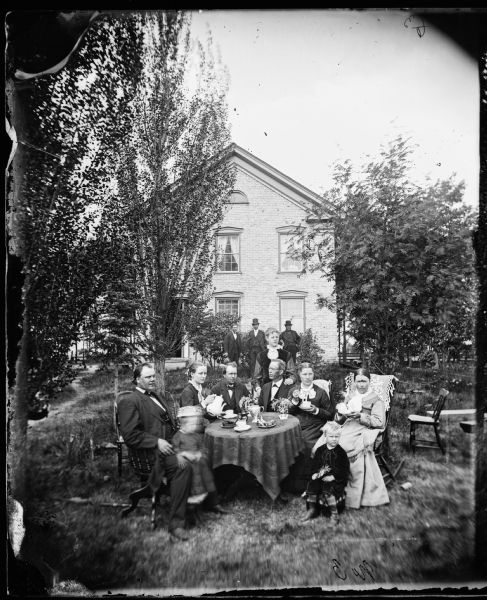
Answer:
[(416, 421)]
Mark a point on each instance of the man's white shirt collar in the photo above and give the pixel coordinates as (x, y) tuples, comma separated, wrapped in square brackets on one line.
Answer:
[(153, 398)]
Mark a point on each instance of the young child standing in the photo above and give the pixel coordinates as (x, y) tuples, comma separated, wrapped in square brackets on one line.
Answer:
[(330, 467), (188, 442)]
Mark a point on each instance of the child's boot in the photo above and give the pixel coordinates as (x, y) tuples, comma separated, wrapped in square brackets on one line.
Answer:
[(312, 508), (332, 505)]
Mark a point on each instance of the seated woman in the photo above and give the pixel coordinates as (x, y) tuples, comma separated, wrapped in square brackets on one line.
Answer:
[(262, 362), (313, 407), (363, 416), (192, 394)]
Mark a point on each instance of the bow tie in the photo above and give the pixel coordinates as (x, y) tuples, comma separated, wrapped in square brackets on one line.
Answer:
[(147, 393), (275, 385), (230, 386)]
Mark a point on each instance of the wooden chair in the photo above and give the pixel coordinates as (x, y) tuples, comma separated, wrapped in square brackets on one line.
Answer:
[(383, 386), (433, 421), (142, 462)]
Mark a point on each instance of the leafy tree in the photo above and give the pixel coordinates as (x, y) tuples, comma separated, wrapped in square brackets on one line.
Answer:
[(309, 349), (69, 125), (401, 258), (207, 336), (172, 183)]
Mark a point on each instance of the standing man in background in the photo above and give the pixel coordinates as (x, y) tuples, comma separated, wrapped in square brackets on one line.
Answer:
[(256, 343), (232, 345), (290, 339)]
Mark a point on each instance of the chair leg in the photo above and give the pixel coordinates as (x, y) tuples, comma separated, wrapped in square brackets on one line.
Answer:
[(412, 436), (134, 498), (119, 456), (382, 462), (438, 439), (154, 503)]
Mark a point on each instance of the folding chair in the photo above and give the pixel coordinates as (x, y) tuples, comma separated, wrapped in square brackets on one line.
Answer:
[(383, 386), (434, 421)]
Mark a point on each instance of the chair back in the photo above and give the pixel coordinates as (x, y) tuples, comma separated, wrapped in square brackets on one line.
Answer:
[(142, 460), (440, 403), (383, 386), (324, 384), (116, 421)]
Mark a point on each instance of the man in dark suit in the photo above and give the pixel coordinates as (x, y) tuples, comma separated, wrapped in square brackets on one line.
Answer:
[(148, 421), (256, 343), (275, 388), (232, 345), (231, 390), (290, 340)]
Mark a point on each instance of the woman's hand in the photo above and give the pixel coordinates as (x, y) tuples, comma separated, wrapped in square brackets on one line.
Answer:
[(354, 415), (328, 478), (289, 381)]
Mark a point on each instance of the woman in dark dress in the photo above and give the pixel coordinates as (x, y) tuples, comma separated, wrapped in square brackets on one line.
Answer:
[(261, 372), (192, 394), (313, 407)]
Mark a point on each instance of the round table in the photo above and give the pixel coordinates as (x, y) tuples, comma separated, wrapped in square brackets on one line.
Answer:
[(266, 453)]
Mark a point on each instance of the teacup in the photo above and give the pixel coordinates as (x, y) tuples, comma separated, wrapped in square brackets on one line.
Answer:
[(228, 414), (241, 423), (306, 404)]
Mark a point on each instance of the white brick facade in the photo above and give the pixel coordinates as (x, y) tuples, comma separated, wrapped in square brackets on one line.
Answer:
[(274, 202)]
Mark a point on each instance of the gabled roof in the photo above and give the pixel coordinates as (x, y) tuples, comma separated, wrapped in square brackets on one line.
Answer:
[(282, 180)]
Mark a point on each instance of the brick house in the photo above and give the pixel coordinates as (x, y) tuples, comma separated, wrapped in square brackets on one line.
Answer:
[(255, 277)]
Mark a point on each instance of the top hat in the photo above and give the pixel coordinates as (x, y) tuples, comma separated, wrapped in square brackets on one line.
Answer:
[(287, 323), (255, 321)]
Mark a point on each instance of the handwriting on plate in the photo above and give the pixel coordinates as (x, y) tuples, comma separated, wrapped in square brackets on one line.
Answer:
[(420, 29), (364, 570)]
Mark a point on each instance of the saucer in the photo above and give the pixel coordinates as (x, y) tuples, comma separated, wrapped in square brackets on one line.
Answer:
[(268, 425), (239, 429)]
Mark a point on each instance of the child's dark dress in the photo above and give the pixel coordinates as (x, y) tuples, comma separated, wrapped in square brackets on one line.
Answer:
[(203, 480), (329, 462)]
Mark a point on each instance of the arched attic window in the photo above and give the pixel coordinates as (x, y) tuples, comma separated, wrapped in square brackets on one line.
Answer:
[(237, 197)]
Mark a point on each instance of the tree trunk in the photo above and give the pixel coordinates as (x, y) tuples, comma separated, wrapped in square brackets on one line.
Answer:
[(17, 422), (115, 373), (160, 369)]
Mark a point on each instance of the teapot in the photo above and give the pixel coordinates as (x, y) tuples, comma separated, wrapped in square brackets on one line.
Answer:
[(216, 406), (255, 410)]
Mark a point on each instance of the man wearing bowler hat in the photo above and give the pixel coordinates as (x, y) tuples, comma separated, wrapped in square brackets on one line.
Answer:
[(290, 339), (255, 343)]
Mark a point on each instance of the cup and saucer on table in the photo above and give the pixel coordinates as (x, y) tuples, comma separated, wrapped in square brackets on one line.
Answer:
[(229, 418), (242, 426)]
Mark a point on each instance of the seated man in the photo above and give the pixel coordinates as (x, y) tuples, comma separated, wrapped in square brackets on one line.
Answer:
[(231, 390), (276, 387), (147, 421)]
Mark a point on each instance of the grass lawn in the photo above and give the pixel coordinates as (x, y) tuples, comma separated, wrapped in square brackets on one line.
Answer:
[(424, 536)]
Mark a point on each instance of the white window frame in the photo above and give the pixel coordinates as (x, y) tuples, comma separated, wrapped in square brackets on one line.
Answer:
[(228, 295), (292, 295), (226, 231), (281, 231)]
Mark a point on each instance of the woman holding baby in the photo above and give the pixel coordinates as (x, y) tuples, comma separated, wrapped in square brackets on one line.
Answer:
[(363, 416)]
